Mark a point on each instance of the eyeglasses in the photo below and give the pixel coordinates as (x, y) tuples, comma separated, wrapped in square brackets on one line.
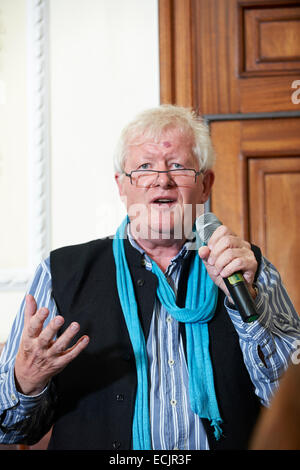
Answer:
[(148, 178)]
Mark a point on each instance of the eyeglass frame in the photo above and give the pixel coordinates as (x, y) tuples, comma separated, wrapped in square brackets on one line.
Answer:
[(197, 173)]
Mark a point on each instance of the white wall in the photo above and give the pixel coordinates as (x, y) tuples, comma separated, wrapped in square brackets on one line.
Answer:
[(103, 69)]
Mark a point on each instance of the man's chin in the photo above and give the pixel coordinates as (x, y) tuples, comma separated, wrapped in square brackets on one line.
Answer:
[(161, 225), (166, 232)]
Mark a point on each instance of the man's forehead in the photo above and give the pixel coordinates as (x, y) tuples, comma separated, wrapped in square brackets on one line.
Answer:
[(167, 141)]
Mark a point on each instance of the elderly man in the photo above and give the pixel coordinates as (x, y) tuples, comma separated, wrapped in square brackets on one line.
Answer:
[(164, 360)]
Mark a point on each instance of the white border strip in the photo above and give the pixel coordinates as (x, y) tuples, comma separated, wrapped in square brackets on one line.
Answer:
[(38, 129)]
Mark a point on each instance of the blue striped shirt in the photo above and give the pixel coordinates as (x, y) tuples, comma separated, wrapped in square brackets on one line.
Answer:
[(173, 424)]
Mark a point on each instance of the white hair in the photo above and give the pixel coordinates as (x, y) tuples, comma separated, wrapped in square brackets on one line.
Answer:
[(152, 123)]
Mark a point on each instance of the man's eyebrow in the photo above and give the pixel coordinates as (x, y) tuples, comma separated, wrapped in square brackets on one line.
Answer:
[(146, 156)]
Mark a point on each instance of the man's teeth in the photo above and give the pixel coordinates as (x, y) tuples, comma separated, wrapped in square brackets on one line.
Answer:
[(164, 200)]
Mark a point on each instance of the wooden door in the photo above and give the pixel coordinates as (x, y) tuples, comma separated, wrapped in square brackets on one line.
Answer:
[(257, 189), (237, 63)]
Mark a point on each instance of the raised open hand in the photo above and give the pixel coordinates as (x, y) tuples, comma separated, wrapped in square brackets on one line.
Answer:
[(40, 356)]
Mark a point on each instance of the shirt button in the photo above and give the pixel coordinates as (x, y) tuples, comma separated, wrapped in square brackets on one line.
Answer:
[(169, 319), (173, 402), (140, 282), (116, 444), (171, 362), (13, 397)]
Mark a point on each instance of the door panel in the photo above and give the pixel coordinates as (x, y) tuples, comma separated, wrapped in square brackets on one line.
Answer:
[(274, 215), (246, 55), (271, 39), (229, 56), (257, 188)]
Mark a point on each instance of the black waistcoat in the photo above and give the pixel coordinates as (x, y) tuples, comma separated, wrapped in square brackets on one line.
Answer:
[(96, 392)]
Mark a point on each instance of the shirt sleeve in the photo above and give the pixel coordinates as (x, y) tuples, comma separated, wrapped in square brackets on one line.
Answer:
[(20, 414), (269, 342)]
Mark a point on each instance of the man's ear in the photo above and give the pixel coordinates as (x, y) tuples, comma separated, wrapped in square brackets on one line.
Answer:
[(119, 178), (207, 182)]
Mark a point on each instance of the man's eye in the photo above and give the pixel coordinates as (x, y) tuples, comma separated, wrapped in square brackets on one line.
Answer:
[(177, 165), (144, 166)]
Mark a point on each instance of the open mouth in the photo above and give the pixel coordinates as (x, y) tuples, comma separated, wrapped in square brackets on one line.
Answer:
[(164, 202)]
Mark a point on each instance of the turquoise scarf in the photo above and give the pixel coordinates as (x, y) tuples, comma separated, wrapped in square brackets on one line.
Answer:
[(201, 300)]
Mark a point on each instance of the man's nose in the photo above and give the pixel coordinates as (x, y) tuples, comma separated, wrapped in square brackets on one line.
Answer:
[(164, 179)]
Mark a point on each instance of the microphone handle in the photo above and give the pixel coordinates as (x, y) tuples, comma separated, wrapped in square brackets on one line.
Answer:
[(241, 297)]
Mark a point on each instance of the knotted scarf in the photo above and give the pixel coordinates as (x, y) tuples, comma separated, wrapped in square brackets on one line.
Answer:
[(200, 304)]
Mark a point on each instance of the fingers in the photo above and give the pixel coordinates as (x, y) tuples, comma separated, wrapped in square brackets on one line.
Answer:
[(41, 355), (34, 330), (222, 239), (204, 252), (63, 341), (33, 319), (67, 355), (221, 232), (31, 306), (50, 331), (231, 261), (59, 347), (226, 254)]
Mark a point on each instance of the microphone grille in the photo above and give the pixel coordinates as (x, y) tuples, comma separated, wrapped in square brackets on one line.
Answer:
[(206, 224)]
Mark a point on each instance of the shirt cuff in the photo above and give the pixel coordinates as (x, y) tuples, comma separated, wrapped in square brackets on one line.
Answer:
[(257, 330), (258, 333), (12, 398), (17, 407)]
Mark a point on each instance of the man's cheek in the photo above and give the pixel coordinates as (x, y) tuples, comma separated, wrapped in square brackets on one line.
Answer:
[(139, 220)]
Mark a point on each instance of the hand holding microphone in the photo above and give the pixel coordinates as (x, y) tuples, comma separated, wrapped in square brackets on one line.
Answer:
[(230, 263)]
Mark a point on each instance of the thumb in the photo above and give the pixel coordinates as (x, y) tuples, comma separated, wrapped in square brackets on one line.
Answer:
[(30, 307), (204, 253)]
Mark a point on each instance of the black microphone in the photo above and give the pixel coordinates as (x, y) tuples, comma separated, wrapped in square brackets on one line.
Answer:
[(206, 224)]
